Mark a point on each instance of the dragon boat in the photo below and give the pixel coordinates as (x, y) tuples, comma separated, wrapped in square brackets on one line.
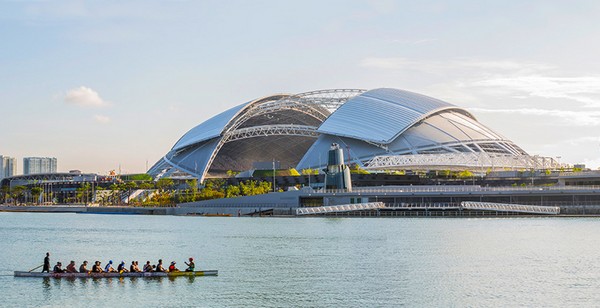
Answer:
[(115, 274)]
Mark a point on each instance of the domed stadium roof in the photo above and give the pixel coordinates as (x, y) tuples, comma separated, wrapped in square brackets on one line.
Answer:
[(297, 129)]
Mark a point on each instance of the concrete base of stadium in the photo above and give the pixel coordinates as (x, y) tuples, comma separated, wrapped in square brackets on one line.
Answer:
[(399, 201)]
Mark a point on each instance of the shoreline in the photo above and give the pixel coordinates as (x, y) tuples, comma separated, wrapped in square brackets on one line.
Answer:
[(172, 211)]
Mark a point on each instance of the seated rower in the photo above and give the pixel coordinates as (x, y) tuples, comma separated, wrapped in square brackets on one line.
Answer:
[(58, 268), (160, 267), (71, 267), (137, 267), (132, 267), (190, 265), (148, 267), (121, 268), (108, 268), (83, 268), (172, 267), (97, 268)]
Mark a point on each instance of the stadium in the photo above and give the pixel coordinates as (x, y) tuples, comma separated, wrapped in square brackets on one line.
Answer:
[(379, 129)]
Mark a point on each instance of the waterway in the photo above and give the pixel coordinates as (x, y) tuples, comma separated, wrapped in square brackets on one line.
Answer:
[(315, 262)]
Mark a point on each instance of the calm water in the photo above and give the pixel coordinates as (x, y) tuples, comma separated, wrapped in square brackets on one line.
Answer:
[(283, 262)]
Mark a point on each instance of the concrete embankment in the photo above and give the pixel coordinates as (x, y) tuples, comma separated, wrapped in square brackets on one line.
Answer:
[(125, 210), (565, 211)]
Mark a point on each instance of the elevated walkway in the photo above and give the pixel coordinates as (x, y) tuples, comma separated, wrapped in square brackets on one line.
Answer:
[(504, 207), (339, 208)]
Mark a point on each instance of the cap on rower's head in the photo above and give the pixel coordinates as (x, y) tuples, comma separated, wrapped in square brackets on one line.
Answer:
[(72, 261), (110, 261), (122, 262), (191, 259), (84, 262), (173, 262)]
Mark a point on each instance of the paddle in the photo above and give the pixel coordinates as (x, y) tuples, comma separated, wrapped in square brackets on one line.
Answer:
[(33, 269)]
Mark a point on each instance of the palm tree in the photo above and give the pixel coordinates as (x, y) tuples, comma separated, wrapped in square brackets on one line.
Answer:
[(17, 193), (4, 192), (36, 192)]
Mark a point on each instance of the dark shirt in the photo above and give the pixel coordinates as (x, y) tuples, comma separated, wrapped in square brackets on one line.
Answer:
[(57, 269), (83, 269), (96, 269), (46, 264)]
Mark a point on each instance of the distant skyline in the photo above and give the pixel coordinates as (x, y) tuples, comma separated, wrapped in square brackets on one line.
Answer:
[(103, 84)]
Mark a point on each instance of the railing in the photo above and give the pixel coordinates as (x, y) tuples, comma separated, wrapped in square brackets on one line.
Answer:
[(505, 207), (425, 206), (448, 188), (339, 208)]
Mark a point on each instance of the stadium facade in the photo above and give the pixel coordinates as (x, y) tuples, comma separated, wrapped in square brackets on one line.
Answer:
[(380, 129)]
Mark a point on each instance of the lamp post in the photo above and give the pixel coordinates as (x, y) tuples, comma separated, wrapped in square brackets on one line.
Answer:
[(273, 174)]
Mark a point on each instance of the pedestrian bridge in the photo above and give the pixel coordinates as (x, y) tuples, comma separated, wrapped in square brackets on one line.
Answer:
[(505, 207), (339, 208), (465, 205)]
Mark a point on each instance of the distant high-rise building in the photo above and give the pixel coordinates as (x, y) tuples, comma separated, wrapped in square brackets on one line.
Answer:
[(8, 166), (34, 165)]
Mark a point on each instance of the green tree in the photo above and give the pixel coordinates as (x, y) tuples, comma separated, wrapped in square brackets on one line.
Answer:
[(130, 186), (4, 193), (164, 184), (356, 169), (309, 171), (115, 189), (232, 191), (465, 174), (232, 173), (293, 172), (36, 192), (17, 193), (146, 185)]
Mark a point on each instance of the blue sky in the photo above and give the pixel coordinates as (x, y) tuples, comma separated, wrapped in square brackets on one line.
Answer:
[(99, 84)]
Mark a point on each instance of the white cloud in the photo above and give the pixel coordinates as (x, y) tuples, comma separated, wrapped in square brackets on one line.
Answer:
[(102, 119), (454, 66), (84, 97), (571, 118), (585, 89), (508, 78)]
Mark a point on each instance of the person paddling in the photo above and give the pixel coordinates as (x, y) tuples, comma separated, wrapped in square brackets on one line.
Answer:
[(109, 268), (83, 268), (190, 265), (58, 268), (172, 267), (46, 263), (71, 267), (136, 267), (97, 268), (148, 267), (160, 267), (121, 268)]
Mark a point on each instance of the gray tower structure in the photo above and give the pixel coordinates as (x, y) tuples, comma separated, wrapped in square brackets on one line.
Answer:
[(337, 174)]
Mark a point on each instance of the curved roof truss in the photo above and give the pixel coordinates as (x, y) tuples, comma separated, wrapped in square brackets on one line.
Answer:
[(317, 105)]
